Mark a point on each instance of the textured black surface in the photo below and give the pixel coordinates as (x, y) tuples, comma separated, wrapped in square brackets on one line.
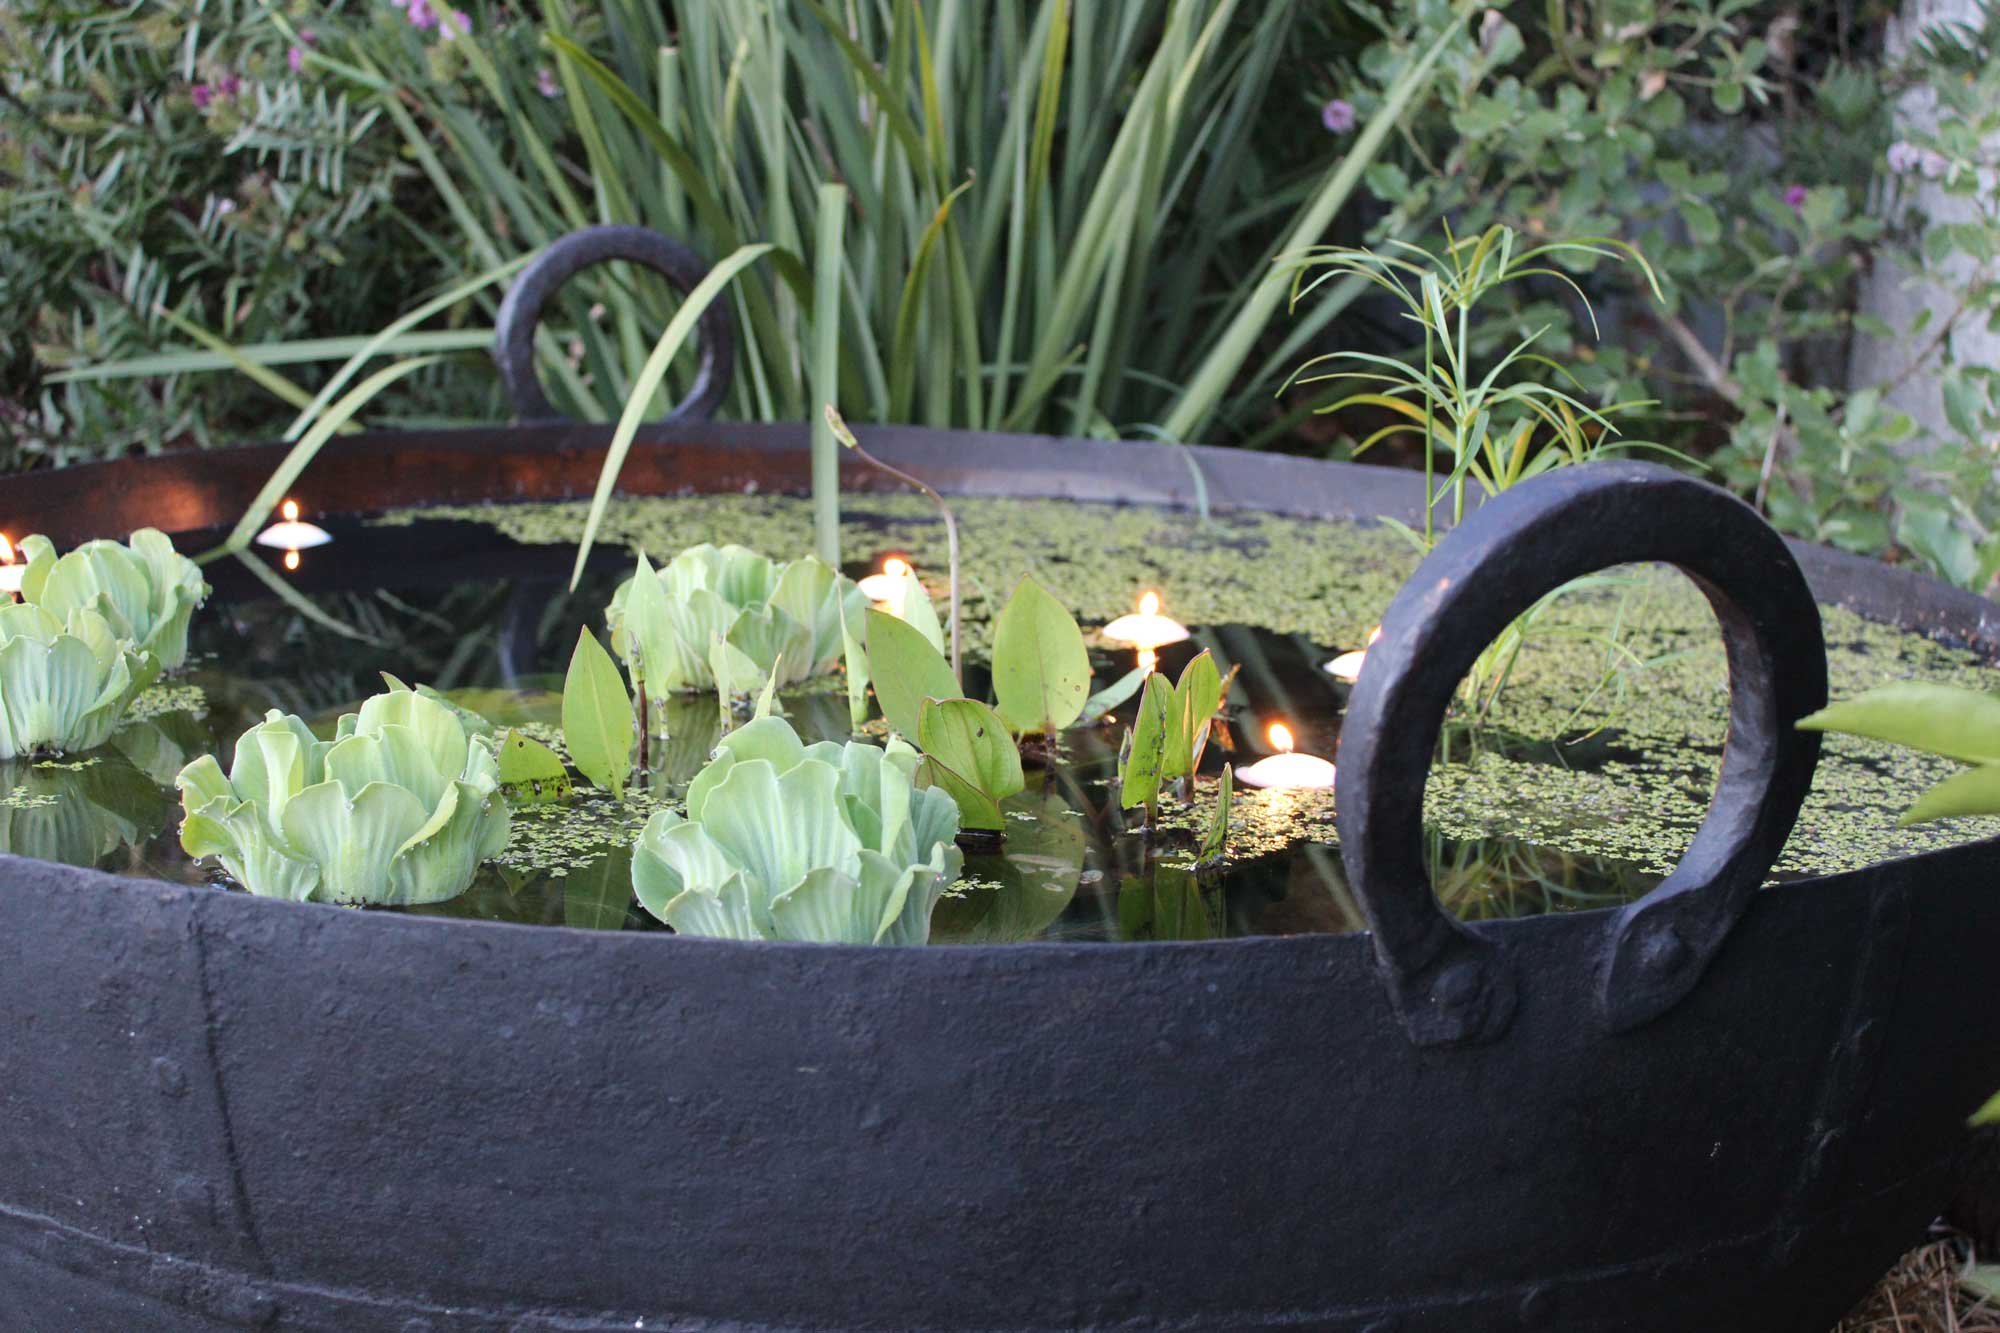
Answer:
[(222, 1112), (563, 259), (1449, 982)]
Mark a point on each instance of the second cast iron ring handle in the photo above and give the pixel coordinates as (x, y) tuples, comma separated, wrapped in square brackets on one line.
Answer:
[(563, 259), (1451, 984)]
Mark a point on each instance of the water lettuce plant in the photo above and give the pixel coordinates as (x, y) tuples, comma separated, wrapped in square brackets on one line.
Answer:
[(769, 620), (145, 590), (399, 808), (782, 840), (65, 682)]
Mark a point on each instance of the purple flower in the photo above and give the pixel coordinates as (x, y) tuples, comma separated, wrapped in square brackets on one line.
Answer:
[(1337, 116), (545, 82), (202, 95), (296, 58), (422, 17), (462, 19), (1796, 197), (1933, 163), (228, 86), (1903, 157), (307, 37)]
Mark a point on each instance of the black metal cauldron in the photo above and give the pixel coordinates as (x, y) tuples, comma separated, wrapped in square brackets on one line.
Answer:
[(1723, 1108)]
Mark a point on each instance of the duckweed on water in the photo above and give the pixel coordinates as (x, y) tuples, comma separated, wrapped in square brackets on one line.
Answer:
[(1630, 786)]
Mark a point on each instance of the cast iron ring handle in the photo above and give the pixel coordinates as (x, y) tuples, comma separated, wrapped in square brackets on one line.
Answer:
[(1450, 984), (521, 311)]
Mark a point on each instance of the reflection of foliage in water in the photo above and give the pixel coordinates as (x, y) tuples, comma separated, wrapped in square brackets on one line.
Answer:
[(77, 812)]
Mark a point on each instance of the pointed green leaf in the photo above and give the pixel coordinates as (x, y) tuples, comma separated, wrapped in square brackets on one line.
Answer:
[(970, 739), (1937, 719), (1041, 669), (1217, 838), (1976, 791), (597, 715), (975, 808), (1196, 697), (1146, 743), (530, 772), (906, 671), (1117, 692)]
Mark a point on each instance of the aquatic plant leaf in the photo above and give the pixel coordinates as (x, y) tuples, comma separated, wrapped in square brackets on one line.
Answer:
[(785, 840), (530, 772), (1197, 695), (856, 658), (1988, 1114), (1937, 719), (66, 682), (906, 671), (1976, 791), (970, 739), (352, 839), (1041, 669), (144, 589), (913, 606), (1216, 840), (1145, 745), (597, 715), (1114, 694), (976, 808)]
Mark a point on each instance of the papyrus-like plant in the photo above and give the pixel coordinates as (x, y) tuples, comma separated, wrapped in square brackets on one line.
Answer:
[(145, 590), (399, 808), (65, 682), (787, 841), (729, 610)]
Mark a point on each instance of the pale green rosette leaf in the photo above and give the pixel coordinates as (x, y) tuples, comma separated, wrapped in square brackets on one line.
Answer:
[(399, 809), (782, 619), (65, 682), (144, 589), (824, 843)]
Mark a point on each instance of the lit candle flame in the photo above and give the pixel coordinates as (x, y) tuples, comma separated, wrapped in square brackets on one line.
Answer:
[(1373, 635), (895, 567), (1149, 604), (291, 560), (6, 550), (1286, 769), (290, 509), (1281, 737), (11, 574)]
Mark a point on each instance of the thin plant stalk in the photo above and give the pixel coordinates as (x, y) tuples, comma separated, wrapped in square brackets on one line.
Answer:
[(846, 437)]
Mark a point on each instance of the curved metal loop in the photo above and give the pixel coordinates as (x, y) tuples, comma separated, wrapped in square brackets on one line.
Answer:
[(521, 312), (1450, 984)]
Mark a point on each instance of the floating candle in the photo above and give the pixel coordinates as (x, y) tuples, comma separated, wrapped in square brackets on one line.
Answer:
[(1286, 769), (1347, 666), (10, 573), (292, 535), (1147, 629), (887, 586)]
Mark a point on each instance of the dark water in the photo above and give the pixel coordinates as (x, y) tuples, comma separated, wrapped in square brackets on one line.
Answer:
[(461, 608)]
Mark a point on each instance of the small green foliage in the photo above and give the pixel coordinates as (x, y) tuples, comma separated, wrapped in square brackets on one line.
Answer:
[(398, 809), (530, 772), (597, 716), (787, 841), (1216, 840), (665, 624), (906, 670), (1114, 694), (1143, 756), (1190, 713), (970, 755), (145, 590), (65, 683), (1041, 669)]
